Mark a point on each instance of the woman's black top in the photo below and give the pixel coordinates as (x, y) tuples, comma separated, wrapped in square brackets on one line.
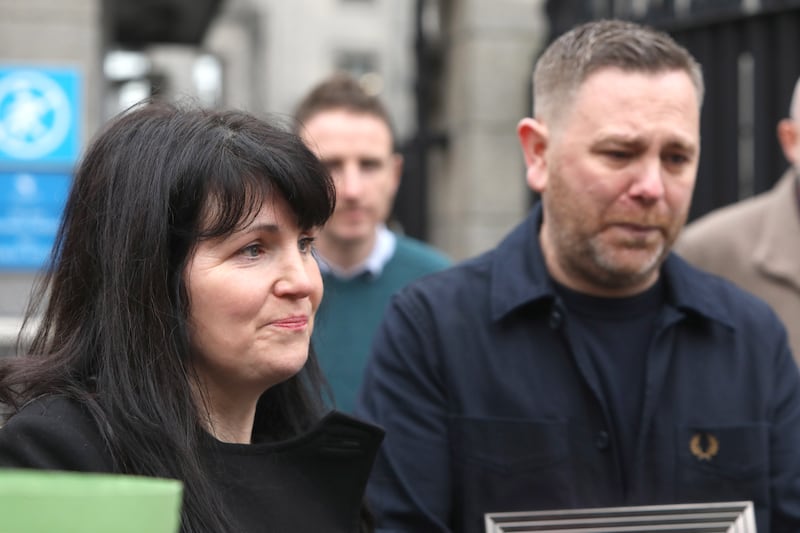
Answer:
[(311, 483)]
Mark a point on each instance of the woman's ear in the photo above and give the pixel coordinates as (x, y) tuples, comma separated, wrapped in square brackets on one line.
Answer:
[(533, 138)]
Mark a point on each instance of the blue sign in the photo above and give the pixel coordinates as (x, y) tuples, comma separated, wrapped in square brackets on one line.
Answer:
[(30, 213), (39, 118)]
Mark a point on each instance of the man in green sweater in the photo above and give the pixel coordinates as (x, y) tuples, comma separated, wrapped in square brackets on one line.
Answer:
[(363, 263)]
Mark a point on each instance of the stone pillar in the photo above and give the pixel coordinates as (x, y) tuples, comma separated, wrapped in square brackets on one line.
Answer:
[(477, 184)]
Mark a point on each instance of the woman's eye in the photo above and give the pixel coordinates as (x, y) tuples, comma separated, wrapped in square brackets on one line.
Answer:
[(254, 250), (306, 244)]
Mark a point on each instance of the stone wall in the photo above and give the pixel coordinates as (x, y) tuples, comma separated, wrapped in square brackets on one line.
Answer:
[(477, 184)]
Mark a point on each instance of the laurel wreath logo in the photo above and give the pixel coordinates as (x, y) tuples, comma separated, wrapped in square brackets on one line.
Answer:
[(704, 446)]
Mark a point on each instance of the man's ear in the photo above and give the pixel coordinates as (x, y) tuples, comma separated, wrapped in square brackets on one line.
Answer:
[(788, 137), (397, 169), (533, 139)]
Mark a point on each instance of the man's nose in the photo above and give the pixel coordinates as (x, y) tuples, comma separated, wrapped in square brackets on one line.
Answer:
[(648, 184), (349, 182)]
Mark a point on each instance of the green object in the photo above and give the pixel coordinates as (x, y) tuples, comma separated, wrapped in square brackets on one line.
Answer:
[(352, 309), (37, 501)]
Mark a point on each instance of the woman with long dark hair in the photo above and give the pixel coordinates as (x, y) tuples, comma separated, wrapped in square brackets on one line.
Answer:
[(170, 335)]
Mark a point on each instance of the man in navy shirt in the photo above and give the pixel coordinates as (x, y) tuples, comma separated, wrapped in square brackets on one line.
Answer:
[(580, 363)]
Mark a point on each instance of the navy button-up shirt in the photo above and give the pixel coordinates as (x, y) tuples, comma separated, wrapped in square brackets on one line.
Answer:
[(489, 405)]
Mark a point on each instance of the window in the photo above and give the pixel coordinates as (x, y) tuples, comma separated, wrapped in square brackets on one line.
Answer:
[(356, 63)]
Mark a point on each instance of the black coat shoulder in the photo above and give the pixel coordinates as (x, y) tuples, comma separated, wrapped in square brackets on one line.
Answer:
[(54, 433)]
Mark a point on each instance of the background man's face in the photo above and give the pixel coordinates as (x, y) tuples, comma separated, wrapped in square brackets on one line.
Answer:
[(357, 149)]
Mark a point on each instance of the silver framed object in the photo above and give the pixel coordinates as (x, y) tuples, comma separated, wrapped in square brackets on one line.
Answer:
[(717, 517)]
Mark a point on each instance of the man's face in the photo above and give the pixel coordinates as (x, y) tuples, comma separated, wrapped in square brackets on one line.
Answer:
[(357, 149), (616, 175)]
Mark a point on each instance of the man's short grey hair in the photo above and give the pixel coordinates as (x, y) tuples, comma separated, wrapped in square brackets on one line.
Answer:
[(631, 47)]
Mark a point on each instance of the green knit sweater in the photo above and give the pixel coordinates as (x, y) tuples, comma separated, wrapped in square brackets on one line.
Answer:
[(352, 309)]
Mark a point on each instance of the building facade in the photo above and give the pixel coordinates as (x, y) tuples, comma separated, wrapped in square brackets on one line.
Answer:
[(472, 58)]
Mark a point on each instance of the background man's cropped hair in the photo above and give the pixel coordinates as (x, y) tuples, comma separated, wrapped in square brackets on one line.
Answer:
[(341, 91)]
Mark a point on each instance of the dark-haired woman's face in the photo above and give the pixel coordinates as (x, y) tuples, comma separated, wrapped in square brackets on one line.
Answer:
[(252, 300)]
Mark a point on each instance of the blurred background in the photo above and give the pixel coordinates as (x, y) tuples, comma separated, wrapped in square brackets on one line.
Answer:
[(455, 75)]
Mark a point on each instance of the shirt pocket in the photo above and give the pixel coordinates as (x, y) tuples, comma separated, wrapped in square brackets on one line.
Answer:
[(510, 464), (723, 462)]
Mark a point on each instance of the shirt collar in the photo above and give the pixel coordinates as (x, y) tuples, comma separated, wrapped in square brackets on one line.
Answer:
[(519, 276), (373, 265), (518, 273)]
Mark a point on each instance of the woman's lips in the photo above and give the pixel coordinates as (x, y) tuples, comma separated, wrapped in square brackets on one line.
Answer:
[(291, 322)]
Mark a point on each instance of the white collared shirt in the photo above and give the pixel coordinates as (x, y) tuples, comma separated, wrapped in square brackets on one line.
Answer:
[(382, 252)]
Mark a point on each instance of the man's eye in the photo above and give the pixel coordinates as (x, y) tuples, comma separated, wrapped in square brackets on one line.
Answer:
[(333, 166), (370, 164), (676, 159)]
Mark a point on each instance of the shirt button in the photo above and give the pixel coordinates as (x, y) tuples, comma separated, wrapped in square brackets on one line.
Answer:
[(555, 318), (601, 440)]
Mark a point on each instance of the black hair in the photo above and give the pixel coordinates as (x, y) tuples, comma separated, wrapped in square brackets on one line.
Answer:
[(108, 320)]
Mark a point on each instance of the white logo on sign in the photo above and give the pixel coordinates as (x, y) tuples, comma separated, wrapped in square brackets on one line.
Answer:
[(35, 115), (25, 185)]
